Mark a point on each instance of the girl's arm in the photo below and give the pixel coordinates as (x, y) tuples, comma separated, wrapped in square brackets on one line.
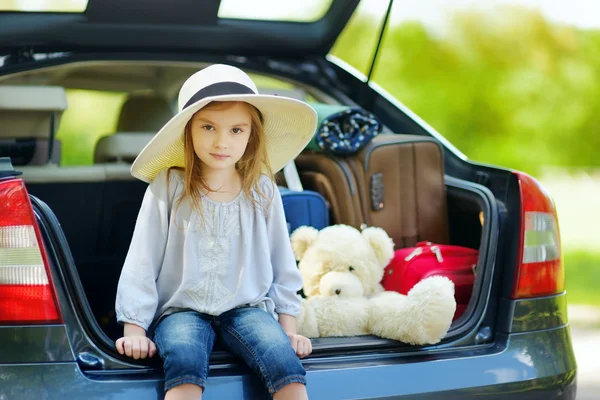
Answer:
[(134, 342), (137, 297), (301, 345), (287, 280), (288, 323), (133, 330)]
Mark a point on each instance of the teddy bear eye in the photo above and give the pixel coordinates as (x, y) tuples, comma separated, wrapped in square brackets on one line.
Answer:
[(351, 268)]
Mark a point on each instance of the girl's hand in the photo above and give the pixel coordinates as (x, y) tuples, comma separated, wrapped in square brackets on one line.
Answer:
[(301, 345), (136, 346)]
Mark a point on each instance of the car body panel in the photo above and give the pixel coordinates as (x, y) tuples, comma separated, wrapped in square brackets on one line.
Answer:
[(534, 314), (34, 344), (531, 365)]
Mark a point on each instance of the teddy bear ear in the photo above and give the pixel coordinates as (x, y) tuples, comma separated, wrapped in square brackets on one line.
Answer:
[(302, 239), (382, 244)]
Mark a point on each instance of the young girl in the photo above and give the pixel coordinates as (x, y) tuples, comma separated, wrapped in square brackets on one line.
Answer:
[(210, 258)]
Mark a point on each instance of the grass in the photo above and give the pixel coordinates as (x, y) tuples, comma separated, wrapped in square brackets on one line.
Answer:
[(582, 270)]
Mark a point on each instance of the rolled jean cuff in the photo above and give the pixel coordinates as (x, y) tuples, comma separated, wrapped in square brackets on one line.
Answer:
[(277, 386), (183, 380)]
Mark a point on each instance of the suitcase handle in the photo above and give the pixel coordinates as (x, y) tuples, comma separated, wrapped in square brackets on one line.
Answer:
[(426, 245)]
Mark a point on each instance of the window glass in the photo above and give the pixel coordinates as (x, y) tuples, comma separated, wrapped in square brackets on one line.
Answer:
[(90, 115), (357, 42), (75, 6), (275, 10)]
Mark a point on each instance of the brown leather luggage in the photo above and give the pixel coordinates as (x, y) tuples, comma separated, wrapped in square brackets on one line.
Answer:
[(400, 180), (332, 177)]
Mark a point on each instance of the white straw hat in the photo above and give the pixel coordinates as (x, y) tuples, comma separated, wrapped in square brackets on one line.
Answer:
[(289, 124)]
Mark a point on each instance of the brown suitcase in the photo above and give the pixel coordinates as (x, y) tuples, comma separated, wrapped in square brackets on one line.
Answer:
[(401, 185), (332, 177)]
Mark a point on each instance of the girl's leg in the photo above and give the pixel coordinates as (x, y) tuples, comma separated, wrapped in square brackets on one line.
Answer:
[(293, 391), (184, 392), (255, 336), (184, 341)]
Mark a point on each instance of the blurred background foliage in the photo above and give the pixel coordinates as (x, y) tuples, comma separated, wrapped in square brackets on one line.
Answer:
[(508, 87)]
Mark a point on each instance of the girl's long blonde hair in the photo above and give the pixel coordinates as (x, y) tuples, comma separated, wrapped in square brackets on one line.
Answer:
[(253, 163)]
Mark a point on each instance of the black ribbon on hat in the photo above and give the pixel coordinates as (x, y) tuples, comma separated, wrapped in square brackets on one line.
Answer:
[(218, 89)]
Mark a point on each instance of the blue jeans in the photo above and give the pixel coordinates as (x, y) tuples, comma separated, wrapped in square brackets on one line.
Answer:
[(185, 341)]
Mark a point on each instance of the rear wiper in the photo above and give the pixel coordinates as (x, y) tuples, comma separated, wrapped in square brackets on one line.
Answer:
[(6, 168)]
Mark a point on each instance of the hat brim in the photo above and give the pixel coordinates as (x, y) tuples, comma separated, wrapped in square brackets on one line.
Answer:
[(289, 125)]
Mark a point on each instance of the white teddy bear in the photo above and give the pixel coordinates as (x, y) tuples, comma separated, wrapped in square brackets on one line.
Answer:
[(342, 269)]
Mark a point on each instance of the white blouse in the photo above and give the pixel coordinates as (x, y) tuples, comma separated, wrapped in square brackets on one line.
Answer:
[(235, 254)]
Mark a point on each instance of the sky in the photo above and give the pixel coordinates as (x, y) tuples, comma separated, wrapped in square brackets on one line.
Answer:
[(433, 13)]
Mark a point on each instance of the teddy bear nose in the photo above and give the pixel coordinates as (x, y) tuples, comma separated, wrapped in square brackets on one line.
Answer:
[(338, 291)]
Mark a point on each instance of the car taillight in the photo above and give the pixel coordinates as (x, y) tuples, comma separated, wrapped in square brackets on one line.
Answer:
[(540, 270), (27, 294)]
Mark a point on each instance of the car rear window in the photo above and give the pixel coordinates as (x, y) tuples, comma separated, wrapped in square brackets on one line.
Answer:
[(274, 10), (74, 6)]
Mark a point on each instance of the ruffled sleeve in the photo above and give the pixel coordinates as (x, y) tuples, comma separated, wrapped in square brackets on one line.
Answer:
[(287, 280), (137, 297)]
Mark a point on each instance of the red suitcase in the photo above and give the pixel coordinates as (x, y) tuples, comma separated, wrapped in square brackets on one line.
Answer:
[(413, 264)]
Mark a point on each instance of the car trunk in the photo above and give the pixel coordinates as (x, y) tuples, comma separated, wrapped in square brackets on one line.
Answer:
[(88, 213), (96, 207)]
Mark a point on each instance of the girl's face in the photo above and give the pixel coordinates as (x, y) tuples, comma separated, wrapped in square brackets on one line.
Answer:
[(220, 134)]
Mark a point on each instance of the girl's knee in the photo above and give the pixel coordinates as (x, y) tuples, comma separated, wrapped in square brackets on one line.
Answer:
[(183, 366), (187, 364), (187, 357)]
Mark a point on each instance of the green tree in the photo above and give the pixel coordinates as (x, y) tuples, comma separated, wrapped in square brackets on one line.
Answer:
[(508, 87)]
